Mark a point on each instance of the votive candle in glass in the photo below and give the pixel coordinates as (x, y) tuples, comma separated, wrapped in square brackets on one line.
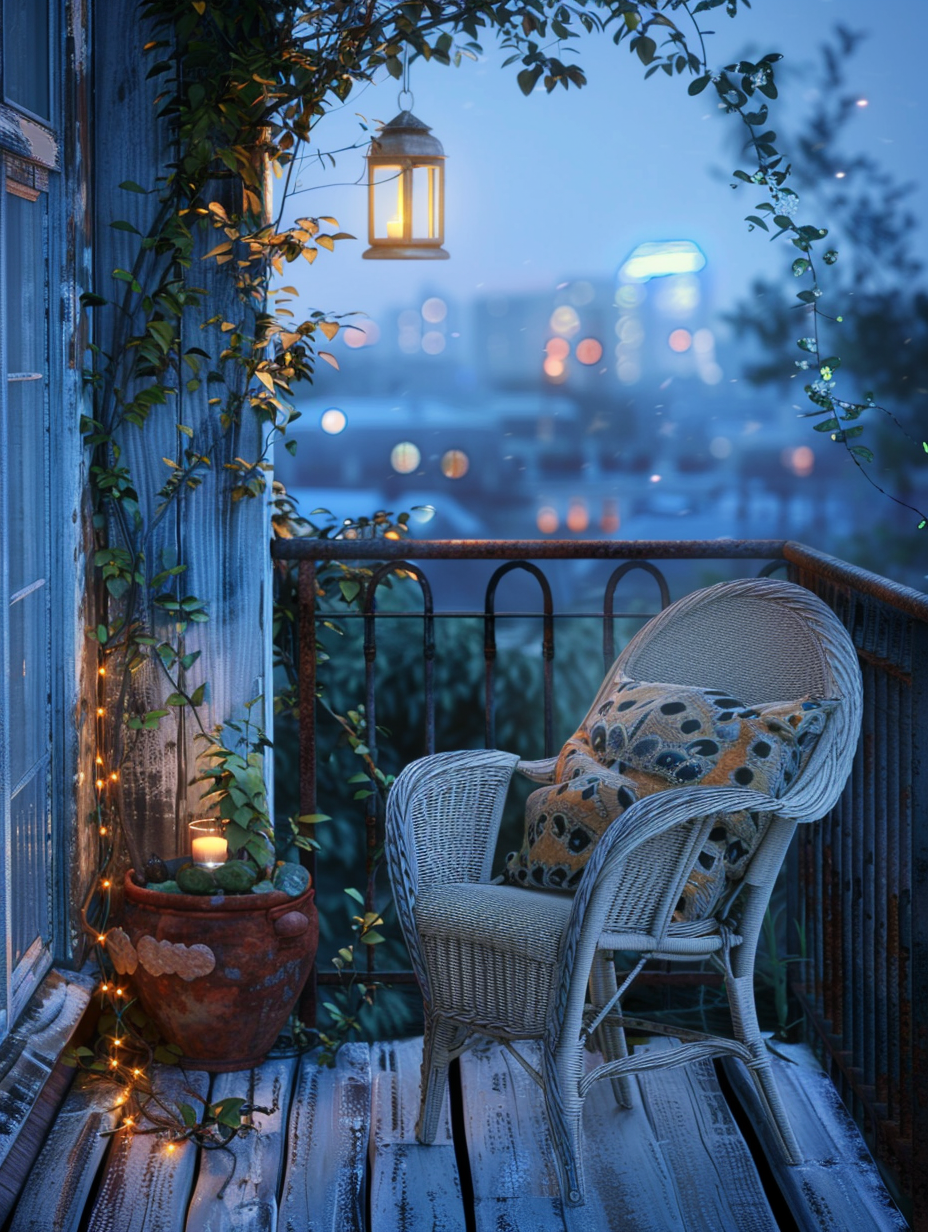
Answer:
[(208, 843)]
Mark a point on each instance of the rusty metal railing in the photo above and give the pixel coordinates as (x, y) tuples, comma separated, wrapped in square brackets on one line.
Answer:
[(858, 881)]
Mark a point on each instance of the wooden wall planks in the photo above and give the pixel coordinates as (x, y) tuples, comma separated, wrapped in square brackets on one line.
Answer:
[(327, 1145), (224, 545), (413, 1187), (837, 1187), (249, 1203), (62, 1176), (146, 1188)]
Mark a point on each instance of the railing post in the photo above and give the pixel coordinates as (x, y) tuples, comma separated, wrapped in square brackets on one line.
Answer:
[(917, 944), (306, 597)]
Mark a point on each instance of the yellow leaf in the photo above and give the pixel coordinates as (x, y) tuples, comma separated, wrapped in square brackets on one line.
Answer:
[(333, 222), (226, 326), (266, 381), (289, 339), (310, 254), (215, 251), (289, 290), (329, 359), (215, 207), (326, 241), (200, 6), (329, 328)]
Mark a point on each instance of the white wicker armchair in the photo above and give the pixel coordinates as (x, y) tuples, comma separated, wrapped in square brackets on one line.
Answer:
[(517, 964)]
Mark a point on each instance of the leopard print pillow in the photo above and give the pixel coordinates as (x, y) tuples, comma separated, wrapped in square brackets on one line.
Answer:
[(644, 738)]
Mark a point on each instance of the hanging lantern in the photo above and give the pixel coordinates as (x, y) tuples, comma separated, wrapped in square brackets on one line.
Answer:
[(406, 192)]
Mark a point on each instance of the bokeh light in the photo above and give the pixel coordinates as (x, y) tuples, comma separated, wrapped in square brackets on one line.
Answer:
[(434, 310), (581, 293), (367, 333), (630, 296), (589, 351), (720, 447), (547, 520), (433, 343), (628, 371), (455, 464), (703, 342), (564, 321), (405, 457), (610, 522), (555, 370), (578, 517), (803, 461), (557, 348), (629, 331), (333, 421), (680, 340)]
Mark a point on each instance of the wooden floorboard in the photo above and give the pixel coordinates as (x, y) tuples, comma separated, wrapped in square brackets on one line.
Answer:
[(61, 1178), (324, 1181), (146, 1186), (237, 1187), (837, 1187), (337, 1153), (414, 1188)]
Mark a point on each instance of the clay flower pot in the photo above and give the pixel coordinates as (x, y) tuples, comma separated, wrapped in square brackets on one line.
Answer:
[(219, 976)]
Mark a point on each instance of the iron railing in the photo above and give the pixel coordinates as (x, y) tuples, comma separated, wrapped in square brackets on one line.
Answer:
[(858, 881)]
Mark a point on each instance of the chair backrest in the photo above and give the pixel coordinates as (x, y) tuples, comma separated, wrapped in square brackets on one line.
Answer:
[(765, 640)]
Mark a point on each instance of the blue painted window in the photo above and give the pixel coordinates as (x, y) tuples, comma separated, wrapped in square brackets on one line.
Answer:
[(26, 866)]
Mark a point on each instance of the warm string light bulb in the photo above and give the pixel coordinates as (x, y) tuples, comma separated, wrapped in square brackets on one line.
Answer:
[(101, 783), (100, 712), (101, 671), (172, 1147), (101, 938)]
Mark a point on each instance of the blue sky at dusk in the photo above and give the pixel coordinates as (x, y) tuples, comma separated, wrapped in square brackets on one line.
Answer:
[(555, 186)]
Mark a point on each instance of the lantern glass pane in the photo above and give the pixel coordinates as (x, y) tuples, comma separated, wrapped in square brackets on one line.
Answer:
[(426, 203), (389, 214)]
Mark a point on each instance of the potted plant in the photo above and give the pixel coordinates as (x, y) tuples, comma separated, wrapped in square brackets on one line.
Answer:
[(219, 946)]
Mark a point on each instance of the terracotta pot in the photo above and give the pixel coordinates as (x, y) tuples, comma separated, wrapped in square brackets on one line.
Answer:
[(219, 976)]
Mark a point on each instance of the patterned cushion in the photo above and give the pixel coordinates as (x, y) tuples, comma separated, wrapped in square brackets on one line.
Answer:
[(643, 738)]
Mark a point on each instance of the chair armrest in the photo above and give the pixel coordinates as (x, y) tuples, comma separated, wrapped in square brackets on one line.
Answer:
[(646, 819), (443, 816), (539, 771)]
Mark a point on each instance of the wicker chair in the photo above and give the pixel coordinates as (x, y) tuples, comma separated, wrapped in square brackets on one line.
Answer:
[(518, 964)]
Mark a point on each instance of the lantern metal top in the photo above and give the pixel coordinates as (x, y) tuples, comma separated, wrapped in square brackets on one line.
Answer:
[(406, 137)]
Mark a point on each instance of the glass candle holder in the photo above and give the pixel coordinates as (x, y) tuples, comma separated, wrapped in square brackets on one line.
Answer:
[(208, 843)]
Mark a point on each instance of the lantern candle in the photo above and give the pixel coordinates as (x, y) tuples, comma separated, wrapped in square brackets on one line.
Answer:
[(395, 228), (208, 844)]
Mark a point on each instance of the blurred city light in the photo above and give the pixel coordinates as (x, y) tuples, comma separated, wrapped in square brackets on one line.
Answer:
[(578, 518), (680, 340), (434, 310), (557, 348), (564, 320), (405, 457), (656, 259), (433, 343), (455, 464), (589, 351), (547, 520), (333, 421)]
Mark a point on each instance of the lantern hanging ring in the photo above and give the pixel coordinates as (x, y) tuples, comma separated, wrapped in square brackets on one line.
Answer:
[(405, 93)]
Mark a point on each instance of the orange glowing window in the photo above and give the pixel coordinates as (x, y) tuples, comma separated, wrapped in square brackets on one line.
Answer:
[(589, 351), (455, 464), (578, 518), (547, 520), (680, 340)]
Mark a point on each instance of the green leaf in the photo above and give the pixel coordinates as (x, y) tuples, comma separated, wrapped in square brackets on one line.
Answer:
[(189, 1115), (350, 590), (313, 819), (827, 425), (131, 186), (355, 894), (697, 87), (175, 699)]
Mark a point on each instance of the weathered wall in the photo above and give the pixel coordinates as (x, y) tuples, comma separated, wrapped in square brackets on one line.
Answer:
[(225, 546)]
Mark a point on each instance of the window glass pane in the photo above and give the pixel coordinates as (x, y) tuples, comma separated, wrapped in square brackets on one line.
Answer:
[(424, 203), (388, 203), (25, 55), (30, 736), (27, 493), (30, 834)]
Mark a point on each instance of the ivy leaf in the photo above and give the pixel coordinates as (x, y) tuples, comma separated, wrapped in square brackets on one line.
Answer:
[(131, 186), (697, 87)]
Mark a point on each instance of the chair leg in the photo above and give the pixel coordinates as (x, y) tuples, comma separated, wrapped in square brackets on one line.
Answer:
[(747, 1030), (565, 1120), (610, 1037), (441, 1038)]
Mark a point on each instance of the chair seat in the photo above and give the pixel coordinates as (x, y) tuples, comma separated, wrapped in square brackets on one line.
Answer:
[(492, 952)]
